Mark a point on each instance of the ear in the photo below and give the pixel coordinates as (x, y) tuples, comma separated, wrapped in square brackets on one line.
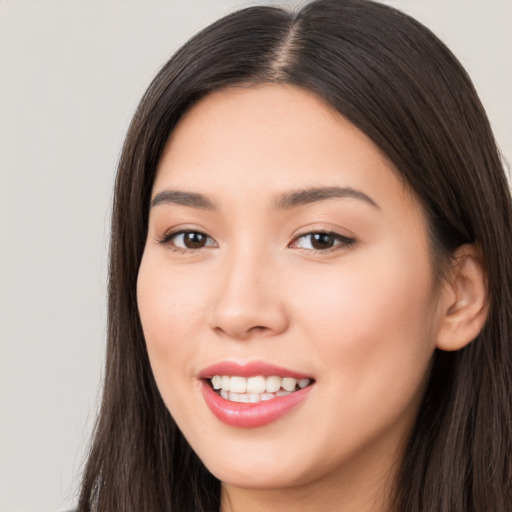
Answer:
[(464, 300)]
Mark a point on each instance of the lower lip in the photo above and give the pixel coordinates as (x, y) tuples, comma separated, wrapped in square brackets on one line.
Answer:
[(247, 415)]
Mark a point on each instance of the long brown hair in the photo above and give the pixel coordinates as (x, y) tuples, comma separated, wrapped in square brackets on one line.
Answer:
[(393, 79)]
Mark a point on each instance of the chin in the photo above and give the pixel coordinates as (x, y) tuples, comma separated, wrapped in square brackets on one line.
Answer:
[(261, 466), (249, 475)]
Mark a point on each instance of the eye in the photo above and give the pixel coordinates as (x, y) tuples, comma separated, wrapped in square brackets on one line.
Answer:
[(188, 240), (322, 241)]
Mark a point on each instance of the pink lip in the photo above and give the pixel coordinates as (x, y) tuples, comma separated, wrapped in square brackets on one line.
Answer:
[(249, 369), (244, 415), (247, 415)]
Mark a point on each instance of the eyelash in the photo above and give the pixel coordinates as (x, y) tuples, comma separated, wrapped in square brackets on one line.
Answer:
[(338, 241)]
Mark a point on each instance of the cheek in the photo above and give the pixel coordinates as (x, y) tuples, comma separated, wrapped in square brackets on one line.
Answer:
[(168, 310), (372, 318), (371, 334)]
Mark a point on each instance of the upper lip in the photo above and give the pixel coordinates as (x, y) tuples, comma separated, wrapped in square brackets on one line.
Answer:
[(249, 369)]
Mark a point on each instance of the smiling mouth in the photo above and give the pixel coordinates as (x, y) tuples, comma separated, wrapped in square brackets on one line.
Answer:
[(255, 389)]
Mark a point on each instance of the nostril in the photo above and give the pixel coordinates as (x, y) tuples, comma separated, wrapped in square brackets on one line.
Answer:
[(240, 332), (258, 328)]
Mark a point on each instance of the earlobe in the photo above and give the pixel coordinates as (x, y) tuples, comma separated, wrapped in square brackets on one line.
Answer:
[(464, 300)]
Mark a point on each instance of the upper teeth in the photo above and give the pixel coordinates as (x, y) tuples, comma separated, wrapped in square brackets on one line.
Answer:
[(257, 384)]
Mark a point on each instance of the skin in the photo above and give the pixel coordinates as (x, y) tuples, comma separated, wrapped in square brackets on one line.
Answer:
[(362, 318)]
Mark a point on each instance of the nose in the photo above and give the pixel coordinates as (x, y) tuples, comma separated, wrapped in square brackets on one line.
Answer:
[(249, 302)]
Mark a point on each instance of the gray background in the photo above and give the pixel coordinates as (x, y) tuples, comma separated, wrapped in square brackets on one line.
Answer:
[(71, 74)]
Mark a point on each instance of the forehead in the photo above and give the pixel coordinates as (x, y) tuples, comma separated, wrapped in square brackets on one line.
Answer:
[(268, 138), (297, 119)]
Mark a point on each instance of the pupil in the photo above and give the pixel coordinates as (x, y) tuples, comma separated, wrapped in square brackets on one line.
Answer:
[(194, 240), (322, 241)]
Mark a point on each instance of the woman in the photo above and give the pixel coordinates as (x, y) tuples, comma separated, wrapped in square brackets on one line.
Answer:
[(310, 277)]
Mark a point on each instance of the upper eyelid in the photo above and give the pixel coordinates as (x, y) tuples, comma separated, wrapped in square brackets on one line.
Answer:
[(323, 231), (176, 230)]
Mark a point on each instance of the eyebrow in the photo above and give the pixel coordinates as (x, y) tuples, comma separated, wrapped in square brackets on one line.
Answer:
[(312, 195), (179, 197), (284, 202)]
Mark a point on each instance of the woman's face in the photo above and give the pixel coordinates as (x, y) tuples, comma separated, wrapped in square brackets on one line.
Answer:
[(282, 245)]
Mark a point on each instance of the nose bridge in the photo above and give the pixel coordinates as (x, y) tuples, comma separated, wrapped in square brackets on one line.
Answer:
[(248, 299)]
